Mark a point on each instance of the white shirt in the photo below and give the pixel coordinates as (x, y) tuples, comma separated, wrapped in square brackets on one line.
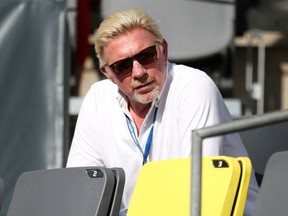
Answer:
[(189, 100)]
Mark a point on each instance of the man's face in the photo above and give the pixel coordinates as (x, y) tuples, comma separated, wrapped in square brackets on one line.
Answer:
[(143, 76)]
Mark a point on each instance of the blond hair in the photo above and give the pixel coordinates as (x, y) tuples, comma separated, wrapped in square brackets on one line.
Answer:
[(122, 22)]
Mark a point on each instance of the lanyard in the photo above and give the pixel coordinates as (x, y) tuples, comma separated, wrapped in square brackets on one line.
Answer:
[(135, 139)]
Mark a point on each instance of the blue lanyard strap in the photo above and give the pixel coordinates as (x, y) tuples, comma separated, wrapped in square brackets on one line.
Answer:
[(149, 140)]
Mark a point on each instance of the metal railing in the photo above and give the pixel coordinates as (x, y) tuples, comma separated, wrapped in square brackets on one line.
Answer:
[(221, 129)]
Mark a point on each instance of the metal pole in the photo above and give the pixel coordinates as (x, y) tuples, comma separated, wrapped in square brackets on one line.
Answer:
[(221, 129), (249, 76), (261, 73), (196, 174), (255, 90)]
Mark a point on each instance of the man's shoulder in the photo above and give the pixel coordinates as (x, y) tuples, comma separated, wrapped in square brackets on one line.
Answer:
[(103, 85), (183, 73), (102, 89)]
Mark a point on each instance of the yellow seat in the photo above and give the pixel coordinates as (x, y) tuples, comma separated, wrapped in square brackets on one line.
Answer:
[(163, 187)]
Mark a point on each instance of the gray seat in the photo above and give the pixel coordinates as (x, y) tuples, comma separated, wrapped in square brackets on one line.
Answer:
[(193, 29), (270, 139), (273, 194), (1, 191), (85, 191)]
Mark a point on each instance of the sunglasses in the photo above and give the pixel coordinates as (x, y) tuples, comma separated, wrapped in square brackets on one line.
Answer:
[(144, 57)]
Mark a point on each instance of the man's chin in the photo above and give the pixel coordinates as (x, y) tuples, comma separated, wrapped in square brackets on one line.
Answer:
[(146, 98)]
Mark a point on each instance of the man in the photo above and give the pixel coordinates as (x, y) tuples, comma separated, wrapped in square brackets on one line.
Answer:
[(147, 107)]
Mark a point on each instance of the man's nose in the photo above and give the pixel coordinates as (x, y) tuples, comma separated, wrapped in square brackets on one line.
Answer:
[(138, 70)]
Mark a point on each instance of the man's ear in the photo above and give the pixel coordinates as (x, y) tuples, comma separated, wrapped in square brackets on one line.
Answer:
[(165, 49), (106, 74)]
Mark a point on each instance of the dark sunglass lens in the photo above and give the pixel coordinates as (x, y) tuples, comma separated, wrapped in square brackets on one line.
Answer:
[(147, 56), (122, 67)]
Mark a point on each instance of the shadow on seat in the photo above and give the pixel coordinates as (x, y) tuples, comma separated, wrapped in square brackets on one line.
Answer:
[(1, 191), (85, 191), (163, 187), (116, 201), (273, 194), (243, 185)]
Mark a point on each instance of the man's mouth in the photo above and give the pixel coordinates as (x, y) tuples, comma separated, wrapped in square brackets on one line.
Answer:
[(144, 88)]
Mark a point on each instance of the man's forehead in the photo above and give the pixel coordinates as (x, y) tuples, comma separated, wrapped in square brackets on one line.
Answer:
[(128, 44)]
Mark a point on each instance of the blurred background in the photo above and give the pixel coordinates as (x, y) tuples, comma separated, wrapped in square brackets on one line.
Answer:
[(48, 63)]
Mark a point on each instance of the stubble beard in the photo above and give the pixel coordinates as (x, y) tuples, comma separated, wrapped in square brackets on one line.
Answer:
[(149, 97)]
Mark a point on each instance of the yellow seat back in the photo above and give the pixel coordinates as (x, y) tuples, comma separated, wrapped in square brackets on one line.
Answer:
[(163, 187)]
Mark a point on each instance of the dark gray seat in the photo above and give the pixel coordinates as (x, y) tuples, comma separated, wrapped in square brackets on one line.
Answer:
[(85, 191), (273, 194)]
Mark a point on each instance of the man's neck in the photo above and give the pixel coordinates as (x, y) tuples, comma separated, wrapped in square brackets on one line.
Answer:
[(138, 112)]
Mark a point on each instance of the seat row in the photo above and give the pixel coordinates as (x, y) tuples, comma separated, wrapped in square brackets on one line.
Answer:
[(163, 188)]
